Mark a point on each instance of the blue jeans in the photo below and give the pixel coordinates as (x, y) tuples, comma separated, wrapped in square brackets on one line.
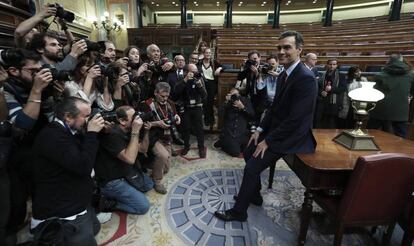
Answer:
[(129, 199)]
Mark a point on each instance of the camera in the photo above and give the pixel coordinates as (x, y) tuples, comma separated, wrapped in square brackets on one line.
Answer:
[(59, 75), (265, 68), (109, 116), (197, 76), (62, 13), (95, 46), (157, 68), (144, 116), (234, 97), (10, 57), (249, 63)]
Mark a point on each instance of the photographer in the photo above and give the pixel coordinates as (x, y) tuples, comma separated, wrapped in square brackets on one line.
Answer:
[(164, 118), (237, 112), (157, 65), (117, 160), (107, 55), (250, 74), (23, 94), (191, 91), (5, 145), (48, 46), (266, 83), (90, 84), (135, 64), (62, 167)]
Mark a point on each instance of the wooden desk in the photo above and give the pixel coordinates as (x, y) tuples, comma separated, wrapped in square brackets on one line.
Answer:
[(331, 165)]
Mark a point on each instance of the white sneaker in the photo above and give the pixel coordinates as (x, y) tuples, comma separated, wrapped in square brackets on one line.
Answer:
[(104, 217)]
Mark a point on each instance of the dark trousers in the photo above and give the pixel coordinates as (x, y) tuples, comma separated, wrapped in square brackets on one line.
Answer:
[(80, 231), (251, 184), (233, 145), (4, 203), (398, 128), (208, 106), (193, 122)]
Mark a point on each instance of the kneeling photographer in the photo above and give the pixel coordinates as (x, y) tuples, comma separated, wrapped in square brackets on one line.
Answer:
[(191, 91), (164, 117), (117, 169), (237, 112)]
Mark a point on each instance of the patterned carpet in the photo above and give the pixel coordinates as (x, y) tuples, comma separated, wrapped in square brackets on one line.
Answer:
[(198, 187)]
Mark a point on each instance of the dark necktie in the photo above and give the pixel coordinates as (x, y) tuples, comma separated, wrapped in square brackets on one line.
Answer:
[(282, 79)]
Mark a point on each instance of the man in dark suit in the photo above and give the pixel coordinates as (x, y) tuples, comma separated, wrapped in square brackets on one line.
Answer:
[(286, 127), (176, 74)]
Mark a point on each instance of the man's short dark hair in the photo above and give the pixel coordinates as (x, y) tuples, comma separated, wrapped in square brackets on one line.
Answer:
[(69, 106), (252, 53), (332, 59), (297, 35), (121, 112), (38, 41), (19, 58)]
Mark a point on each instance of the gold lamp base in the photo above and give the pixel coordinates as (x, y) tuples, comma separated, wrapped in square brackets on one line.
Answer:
[(356, 140)]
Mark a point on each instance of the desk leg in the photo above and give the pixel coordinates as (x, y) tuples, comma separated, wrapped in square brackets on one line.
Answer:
[(305, 217)]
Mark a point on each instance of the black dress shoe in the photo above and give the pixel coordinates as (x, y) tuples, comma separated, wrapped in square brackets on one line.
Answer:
[(185, 151), (230, 215), (256, 201)]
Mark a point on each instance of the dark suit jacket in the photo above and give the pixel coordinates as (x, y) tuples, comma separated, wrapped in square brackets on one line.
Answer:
[(172, 80), (288, 123)]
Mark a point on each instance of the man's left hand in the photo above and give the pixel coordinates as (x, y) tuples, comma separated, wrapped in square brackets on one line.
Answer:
[(238, 104), (167, 66), (177, 119), (260, 149)]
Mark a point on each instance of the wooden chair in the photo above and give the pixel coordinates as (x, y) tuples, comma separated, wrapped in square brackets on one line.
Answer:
[(407, 224), (379, 189)]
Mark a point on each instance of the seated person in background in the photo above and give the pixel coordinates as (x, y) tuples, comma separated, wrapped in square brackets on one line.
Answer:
[(191, 91), (396, 81), (237, 112), (164, 116), (346, 114), (62, 167), (117, 156)]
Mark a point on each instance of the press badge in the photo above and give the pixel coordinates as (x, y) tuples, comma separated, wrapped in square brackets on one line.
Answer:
[(192, 101)]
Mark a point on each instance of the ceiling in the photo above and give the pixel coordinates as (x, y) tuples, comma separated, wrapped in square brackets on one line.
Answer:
[(246, 5)]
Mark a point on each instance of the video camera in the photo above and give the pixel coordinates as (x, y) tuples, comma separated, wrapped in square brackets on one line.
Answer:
[(62, 13)]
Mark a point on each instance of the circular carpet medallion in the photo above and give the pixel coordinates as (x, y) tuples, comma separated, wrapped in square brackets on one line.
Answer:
[(191, 204)]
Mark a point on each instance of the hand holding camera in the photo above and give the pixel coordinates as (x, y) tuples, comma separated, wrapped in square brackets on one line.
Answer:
[(94, 72), (96, 123), (122, 80), (136, 125), (78, 48), (47, 11), (123, 61), (189, 76), (167, 66), (328, 86), (41, 80), (142, 68)]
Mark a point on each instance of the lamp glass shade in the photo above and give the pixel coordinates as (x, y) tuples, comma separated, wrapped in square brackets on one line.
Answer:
[(366, 93)]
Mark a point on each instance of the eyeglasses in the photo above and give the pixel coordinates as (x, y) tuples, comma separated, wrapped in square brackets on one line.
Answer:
[(32, 71)]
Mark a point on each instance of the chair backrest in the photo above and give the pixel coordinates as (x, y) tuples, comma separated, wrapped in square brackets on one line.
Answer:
[(378, 190)]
